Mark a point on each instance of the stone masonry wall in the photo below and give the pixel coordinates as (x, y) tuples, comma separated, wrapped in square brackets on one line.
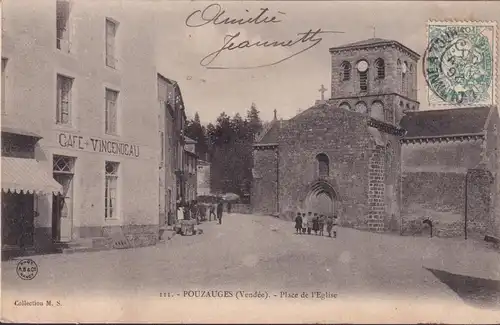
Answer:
[(439, 196), (263, 197), (341, 135), (376, 192)]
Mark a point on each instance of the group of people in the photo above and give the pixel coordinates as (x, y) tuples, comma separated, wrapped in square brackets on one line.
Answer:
[(198, 211), (316, 223)]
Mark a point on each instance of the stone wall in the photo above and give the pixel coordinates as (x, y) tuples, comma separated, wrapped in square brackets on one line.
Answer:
[(263, 197), (441, 197), (376, 191)]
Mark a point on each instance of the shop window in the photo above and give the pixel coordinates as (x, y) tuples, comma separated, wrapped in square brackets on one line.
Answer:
[(111, 190), (64, 90), (111, 111)]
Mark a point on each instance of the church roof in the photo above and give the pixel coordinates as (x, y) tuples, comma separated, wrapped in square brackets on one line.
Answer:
[(372, 42), (271, 134), (445, 122)]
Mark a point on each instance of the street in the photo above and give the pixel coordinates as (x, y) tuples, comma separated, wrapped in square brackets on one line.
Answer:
[(249, 252)]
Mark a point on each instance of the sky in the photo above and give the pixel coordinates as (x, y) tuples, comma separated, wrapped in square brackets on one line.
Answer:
[(293, 84)]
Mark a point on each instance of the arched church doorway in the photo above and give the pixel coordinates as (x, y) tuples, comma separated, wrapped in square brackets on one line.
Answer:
[(320, 199)]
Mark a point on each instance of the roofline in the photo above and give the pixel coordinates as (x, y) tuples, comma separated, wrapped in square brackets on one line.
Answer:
[(372, 95), (443, 137), (376, 44), (271, 144), (449, 109)]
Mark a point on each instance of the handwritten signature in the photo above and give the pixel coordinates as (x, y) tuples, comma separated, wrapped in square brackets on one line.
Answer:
[(215, 14)]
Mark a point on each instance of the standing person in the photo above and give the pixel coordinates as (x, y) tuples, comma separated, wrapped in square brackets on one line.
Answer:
[(219, 211), (315, 224), (298, 223), (229, 207), (309, 222), (335, 226), (180, 211), (329, 225), (321, 225), (212, 212), (304, 223)]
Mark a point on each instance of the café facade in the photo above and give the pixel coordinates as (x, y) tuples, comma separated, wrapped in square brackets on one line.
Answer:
[(80, 144)]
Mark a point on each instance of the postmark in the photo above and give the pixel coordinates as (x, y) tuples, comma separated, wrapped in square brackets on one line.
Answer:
[(460, 63), (27, 269)]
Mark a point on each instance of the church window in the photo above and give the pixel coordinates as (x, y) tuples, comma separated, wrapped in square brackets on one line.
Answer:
[(388, 115), (404, 75), (323, 165), (362, 67), (379, 63), (346, 71), (345, 105), (377, 111), (361, 108)]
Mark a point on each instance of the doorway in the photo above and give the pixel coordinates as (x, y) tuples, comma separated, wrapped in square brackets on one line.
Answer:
[(62, 204), (320, 199), (17, 219)]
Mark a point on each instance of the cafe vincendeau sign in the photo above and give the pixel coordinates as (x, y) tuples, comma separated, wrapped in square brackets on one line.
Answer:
[(84, 143)]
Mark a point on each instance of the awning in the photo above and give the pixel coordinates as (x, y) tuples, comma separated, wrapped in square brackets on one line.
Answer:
[(27, 176)]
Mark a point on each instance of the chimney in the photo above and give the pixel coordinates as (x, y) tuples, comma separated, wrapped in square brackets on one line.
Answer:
[(275, 114)]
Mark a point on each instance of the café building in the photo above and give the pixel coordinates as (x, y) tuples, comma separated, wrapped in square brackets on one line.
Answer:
[(79, 126)]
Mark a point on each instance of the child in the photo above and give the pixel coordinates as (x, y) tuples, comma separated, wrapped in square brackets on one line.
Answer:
[(304, 223), (335, 226), (321, 224), (309, 222), (329, 225), (298, 223), (315, 224)]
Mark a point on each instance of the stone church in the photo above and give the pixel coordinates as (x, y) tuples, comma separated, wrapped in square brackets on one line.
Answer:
[(369, 155)]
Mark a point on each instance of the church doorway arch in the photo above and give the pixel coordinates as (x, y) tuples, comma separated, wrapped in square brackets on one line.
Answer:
[(320, 198)]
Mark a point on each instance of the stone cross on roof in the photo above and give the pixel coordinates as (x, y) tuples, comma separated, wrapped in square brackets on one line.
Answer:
[(322, 91)]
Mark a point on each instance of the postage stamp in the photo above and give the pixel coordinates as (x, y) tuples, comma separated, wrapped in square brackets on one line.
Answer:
[(460, 63)]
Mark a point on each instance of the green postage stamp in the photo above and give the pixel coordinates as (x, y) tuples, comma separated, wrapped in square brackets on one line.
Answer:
[(460, 63)]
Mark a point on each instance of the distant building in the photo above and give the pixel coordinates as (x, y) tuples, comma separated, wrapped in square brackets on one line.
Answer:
[(369, 155), (172, 119), (190, 170), (85, 89), (203, 178)]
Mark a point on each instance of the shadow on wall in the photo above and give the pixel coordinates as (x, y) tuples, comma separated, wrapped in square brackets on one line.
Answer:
[(477, 292)]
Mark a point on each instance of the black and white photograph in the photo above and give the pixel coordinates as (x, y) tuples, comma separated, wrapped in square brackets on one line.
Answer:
[(171, 161)]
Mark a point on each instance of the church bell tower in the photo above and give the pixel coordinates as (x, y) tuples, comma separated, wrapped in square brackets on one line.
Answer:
[(376, 77)]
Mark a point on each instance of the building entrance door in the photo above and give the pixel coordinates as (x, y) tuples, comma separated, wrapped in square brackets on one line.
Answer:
[(62, 204)]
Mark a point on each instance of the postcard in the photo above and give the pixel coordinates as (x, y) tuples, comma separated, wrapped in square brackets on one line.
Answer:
[(250, 161)]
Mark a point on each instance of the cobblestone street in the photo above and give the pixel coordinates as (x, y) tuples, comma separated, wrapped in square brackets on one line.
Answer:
[(251, 252)]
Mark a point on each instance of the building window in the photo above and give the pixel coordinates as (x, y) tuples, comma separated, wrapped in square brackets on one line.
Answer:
[(361, 108), (111, 190), (111, 27), (111, 111), (346, 71), (162, 148), (345, 105), (63, 164), (377, 111), (380, 65), (363, 80), (64, 87), (4, 66), (62, 26), (404, 75), (323, 165)]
